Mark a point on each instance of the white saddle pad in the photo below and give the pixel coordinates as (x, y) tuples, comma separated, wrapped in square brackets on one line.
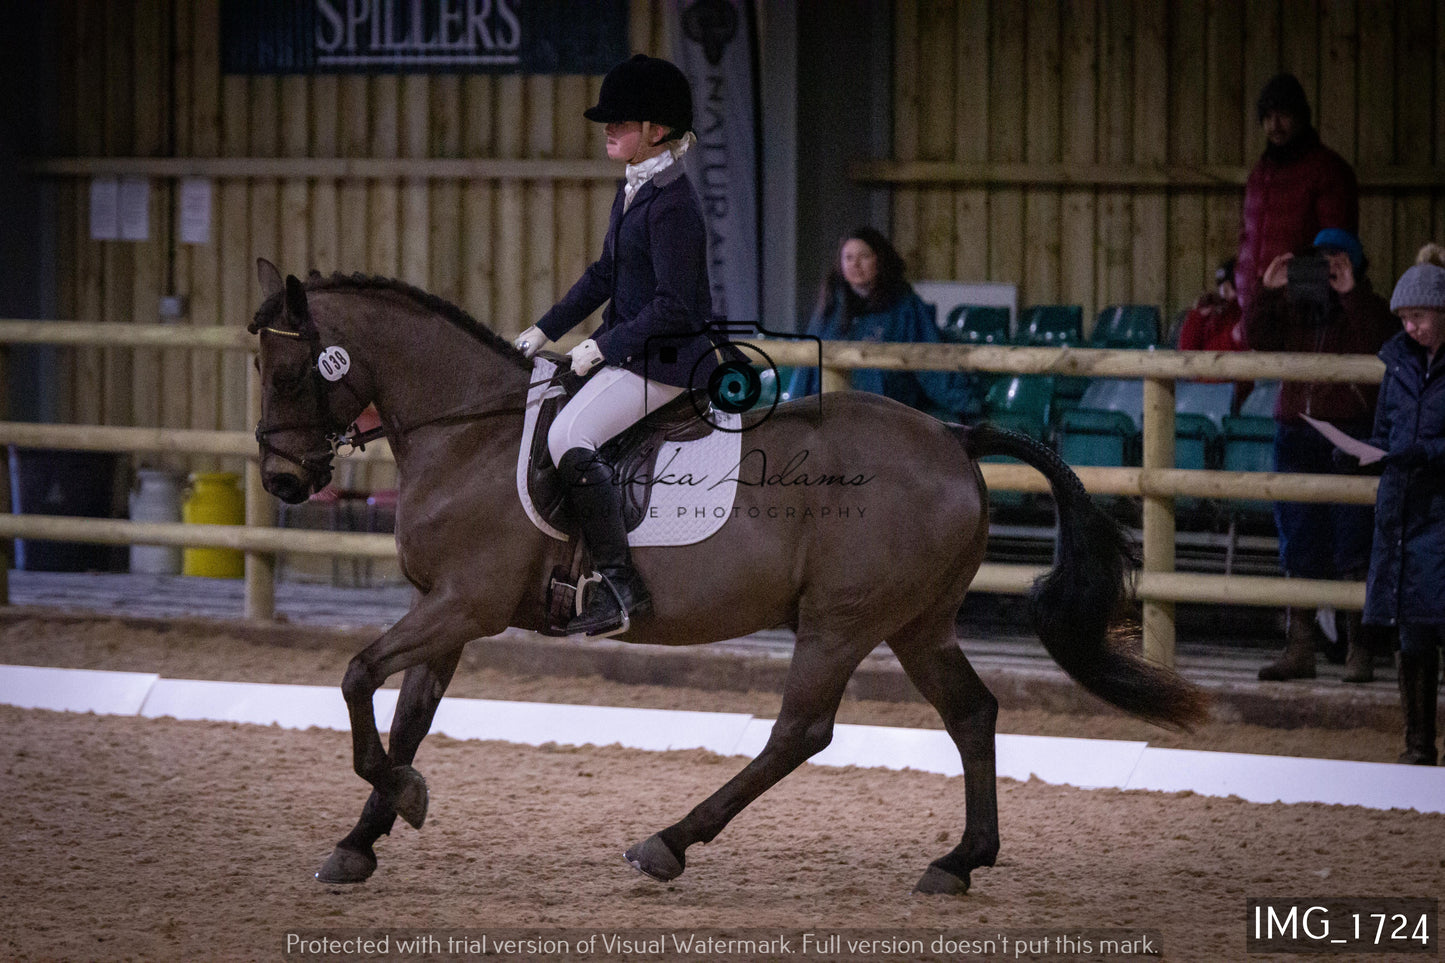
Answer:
[(694, 486)]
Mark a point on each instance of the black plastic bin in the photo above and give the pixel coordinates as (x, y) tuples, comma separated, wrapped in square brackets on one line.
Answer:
[(46, 481)]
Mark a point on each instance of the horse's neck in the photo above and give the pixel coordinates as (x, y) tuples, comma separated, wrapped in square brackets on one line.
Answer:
[(422, 366)]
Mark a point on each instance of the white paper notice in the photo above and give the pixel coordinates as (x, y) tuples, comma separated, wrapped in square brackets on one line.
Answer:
[(104, 209), (195, 211), (135, 209), (1367, 454)]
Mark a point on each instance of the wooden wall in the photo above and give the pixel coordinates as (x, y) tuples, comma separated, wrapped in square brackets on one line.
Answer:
[(1069, 99), (141, 78), (993, 99)]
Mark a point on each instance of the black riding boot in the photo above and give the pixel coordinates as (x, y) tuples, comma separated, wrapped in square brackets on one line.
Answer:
[(596, 503), (1419, 689)]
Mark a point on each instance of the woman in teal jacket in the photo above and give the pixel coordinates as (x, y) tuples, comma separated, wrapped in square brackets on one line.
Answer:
[(865, 297)]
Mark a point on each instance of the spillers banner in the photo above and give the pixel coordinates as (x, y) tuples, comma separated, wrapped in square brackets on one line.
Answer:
[(716, 46), (436, 36)]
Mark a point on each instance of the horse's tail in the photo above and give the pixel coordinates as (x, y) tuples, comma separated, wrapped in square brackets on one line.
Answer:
[(1080, 607)]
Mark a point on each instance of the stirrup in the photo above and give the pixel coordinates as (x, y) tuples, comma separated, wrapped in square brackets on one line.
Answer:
[(599, 579)]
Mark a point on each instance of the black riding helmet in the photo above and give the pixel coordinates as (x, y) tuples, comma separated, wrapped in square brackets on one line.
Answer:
[(645, 89)]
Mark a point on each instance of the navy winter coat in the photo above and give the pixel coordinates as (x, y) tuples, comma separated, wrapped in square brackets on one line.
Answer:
[(1407, 564), (653, 276)]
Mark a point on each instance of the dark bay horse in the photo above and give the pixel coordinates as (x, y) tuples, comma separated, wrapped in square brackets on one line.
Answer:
[(889, 561)]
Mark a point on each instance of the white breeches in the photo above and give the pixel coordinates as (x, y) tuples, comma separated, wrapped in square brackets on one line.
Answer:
[(612, 401)]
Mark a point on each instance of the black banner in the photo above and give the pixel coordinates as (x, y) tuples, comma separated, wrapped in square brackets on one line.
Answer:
[(422, 36)]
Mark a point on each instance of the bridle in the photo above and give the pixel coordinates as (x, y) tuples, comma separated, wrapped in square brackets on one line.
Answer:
[(342, 439)]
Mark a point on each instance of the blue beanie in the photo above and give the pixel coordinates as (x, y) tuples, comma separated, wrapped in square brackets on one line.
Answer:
[(1422, 286), (1341, 240)]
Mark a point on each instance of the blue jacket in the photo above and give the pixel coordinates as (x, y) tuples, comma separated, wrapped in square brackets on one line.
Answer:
[(944, 393), (653, 276), (1407, 563)]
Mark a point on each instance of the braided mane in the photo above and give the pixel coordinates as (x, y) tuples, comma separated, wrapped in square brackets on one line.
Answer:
[(271, 308)]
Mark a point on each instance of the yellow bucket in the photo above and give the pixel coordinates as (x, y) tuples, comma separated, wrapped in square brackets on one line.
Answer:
[(214, 498)]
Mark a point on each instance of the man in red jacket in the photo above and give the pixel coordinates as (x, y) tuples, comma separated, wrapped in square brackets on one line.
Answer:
[(1298, 188)]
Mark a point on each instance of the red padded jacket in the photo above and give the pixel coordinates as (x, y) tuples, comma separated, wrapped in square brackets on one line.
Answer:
[(1292, 194)]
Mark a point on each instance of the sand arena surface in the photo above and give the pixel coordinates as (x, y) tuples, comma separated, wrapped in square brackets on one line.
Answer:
[(160, 840)]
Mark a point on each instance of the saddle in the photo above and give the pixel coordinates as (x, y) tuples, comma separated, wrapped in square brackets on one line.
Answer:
[(632, 454)]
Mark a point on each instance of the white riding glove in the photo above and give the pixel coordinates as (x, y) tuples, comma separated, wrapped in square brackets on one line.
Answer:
[(531, 341), (585, 357)]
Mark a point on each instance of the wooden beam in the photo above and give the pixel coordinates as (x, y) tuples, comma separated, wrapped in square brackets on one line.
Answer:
[(332, 168), (1131, 176)]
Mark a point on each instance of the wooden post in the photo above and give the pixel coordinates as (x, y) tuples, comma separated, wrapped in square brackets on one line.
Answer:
[(834, 379), (1159, 516), (260, 566)]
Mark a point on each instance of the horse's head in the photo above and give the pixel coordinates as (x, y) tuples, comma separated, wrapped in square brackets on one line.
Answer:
[(307, 401)]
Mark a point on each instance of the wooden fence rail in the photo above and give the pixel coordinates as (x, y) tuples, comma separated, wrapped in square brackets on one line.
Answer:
[(1157, 482)]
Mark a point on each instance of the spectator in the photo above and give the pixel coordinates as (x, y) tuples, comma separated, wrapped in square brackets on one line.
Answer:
[(1296, 189), (1215, 323), (866, 297), (1317, 540), (1409, 548)]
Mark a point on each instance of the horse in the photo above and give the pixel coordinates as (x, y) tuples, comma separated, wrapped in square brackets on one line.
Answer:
[(894, 568)]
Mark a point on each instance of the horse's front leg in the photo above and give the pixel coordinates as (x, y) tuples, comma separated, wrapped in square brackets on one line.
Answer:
[(436, 627), (354, 859)]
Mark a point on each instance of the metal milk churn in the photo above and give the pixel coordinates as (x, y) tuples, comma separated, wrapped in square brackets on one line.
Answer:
[(156, 497)]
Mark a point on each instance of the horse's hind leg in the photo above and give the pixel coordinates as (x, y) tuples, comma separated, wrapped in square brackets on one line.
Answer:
[(814, 687), (354, 860), (930, 655)]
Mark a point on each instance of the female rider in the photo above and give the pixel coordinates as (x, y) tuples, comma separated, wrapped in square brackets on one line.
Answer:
[(653, 341)]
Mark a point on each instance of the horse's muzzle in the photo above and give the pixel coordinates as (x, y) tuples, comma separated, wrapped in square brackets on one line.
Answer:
[(287, 487)]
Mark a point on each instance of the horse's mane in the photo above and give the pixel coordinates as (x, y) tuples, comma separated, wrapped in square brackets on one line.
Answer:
[(270, 309)]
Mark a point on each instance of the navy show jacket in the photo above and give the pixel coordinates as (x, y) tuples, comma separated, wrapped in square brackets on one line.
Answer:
[(653, 274), (1407, 560)]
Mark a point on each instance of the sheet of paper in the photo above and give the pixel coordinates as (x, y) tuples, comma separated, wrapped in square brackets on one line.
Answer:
[(104, 209), (195, 211), (135, 209), (1367, 454)]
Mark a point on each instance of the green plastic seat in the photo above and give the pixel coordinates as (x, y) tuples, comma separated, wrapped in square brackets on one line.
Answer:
[(1126, 326), (976, 324), (1051, 326)]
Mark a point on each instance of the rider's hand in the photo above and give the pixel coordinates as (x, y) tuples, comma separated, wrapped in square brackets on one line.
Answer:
[(585, 357), (1277, 273), (529, 342)]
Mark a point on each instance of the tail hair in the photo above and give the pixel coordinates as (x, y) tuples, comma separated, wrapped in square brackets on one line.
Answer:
[(1081, 607), (1431, 253)]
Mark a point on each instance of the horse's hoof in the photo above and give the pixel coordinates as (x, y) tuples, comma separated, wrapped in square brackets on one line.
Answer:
[(940, 882), (411, 795), (654, 859), (346, 866)]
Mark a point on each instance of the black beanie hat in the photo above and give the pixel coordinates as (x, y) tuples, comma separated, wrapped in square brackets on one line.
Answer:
[(644, 88), (1284, 93)]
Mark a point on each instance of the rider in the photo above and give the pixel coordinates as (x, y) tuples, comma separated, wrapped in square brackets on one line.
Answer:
[(652, 342)]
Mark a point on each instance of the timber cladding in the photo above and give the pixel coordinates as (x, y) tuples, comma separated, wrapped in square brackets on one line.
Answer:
[(311, 171), (1092, 151)]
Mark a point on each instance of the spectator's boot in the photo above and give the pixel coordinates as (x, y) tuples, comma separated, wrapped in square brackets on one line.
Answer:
[(596, 503), (1298, 660), (1359, 657), (1419, 692)]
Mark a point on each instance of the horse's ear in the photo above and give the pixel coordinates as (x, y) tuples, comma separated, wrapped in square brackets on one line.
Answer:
[(270, 277), (296, 300)]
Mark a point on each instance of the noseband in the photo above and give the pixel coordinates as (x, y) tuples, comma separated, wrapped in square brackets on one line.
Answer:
[(336, 433)]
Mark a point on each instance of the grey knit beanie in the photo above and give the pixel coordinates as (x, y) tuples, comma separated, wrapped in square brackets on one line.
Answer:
[(1422, 286)]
